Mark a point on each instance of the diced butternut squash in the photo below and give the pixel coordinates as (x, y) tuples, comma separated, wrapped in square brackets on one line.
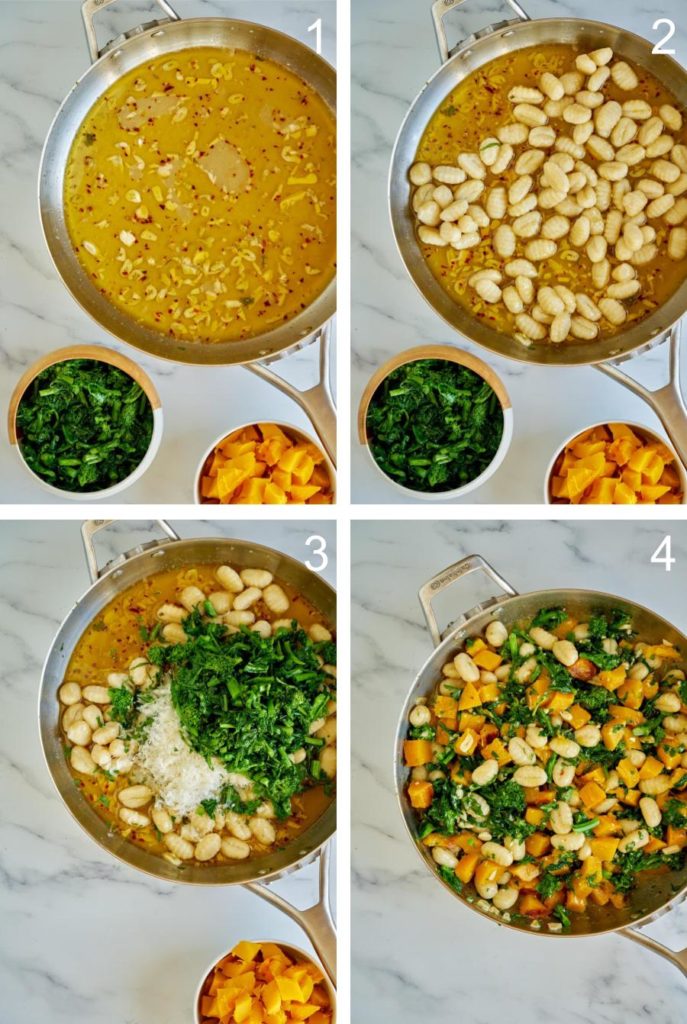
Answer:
[(579, 716), (257, 983), (466, 866), (290, 471), (560, 701), (627, 772), (592, 794), (614, 465), (651, 768), (612, 733), (420, 794), (604, 849), (445, 707), (488, 660), (537, 844), (467, 743), (469, 698), (417, 752)]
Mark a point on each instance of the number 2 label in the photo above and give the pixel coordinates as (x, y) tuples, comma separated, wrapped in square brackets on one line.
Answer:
[(658, 48), (662, 555), (320, 551)]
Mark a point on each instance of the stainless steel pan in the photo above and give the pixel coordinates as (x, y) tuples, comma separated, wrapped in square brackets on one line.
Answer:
[(456, 64), (141, 44), (256, 873), (655, 895)]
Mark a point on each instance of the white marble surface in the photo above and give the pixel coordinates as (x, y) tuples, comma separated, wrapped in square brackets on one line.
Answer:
[(42, 52), (85, 939), (394, 53), (418, 954)]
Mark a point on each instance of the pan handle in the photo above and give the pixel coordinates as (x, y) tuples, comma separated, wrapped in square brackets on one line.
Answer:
[(91, 526), (678, 958), (316, 402), (446, 578), (88, 11), (316, 921), (667, 402), (440, 9)]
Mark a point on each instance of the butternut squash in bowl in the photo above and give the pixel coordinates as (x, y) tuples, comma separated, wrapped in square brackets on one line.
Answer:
[(265, 981), (265, 464), (615, 464)]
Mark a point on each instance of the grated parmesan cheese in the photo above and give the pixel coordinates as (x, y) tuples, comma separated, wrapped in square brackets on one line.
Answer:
[(181, 777)]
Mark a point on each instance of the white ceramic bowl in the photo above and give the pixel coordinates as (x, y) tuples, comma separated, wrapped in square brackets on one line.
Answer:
[(450, 354), (295, 952), (103, 355), (300, 436), (645, 432)]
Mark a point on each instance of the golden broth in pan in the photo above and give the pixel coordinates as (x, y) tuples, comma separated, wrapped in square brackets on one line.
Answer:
[(200, 195), (110, 643), (473, 112)]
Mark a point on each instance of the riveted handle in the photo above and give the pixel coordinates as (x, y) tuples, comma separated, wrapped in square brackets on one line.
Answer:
[(446, 578), (316, 921), (667, 402), (440, 9), (89, 8), (91, 526), (678, 958)]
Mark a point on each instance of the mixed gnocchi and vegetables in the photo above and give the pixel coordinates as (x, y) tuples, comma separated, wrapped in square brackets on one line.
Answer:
[(199, 714), (548, 769), (550, 194)]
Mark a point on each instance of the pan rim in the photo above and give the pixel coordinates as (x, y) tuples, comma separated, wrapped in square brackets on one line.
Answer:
[(576, 592), (480, 334), (326, 821), (301, 330)]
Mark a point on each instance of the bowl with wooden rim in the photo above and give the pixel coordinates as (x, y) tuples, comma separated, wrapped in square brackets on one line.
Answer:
[(97, 353), (295, 953), (445, 353)]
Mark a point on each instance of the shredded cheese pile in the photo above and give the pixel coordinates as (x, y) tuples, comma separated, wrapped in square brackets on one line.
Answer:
[(181, 777)]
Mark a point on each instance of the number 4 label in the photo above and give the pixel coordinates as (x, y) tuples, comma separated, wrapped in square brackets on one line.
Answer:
[(662, 555)]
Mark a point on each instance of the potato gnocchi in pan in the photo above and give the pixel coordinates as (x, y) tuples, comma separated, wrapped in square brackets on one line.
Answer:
[(550, 194), (198, 714)]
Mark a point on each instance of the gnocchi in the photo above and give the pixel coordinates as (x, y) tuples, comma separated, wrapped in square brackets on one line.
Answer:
[(120, 726), (581, 175)]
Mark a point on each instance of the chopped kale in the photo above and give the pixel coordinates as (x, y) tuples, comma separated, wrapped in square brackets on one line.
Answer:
[(434, 425)]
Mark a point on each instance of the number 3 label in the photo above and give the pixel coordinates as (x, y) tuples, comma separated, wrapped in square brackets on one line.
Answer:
[(320, 550), (670, 25), (662, 555)]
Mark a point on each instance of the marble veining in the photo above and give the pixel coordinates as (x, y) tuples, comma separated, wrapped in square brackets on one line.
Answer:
[(42, 53), (417, 953), (393, 54), (85, 939)]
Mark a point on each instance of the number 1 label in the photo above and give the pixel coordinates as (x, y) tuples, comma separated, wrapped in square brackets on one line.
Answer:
[(316, 27)]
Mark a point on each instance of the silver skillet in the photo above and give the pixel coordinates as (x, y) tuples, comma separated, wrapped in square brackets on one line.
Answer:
[(107, 583), (108, 64), (456, 64)]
